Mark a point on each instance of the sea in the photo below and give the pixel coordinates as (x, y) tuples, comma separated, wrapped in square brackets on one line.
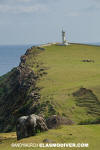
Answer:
[(10, 56)]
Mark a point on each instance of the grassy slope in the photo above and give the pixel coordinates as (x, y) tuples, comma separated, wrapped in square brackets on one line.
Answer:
[(66, 74), (67, 134)]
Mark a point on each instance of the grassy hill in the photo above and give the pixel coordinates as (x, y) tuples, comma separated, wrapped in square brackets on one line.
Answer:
[(58, 72), (67, 73), (54, 80)]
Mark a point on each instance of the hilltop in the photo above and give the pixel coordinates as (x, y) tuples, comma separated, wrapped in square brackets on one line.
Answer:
[(53, 79)]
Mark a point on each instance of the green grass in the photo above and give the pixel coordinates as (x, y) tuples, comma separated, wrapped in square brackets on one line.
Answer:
[(66, 73), (67, 134)]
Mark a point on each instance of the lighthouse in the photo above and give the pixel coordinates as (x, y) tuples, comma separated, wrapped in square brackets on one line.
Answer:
[(64, 42)]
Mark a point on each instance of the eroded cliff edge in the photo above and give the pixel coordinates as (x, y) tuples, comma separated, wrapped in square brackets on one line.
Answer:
[(19, 94)]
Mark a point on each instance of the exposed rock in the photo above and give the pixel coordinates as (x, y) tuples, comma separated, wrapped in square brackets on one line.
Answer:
[(41, 48), (88, 60), (70, 134), (23, 58), (25, 77), (28, 51), (82, 92), (27, 126), (55, 121), (0, 140), (48, 141), (32, 94), (19, 86)]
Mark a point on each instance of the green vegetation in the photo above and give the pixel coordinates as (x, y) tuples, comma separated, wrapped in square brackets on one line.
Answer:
[(67, 134), (59, 74), (66, 73), (59, 71)]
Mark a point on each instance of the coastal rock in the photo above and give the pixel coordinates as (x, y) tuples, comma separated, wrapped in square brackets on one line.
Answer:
[(23, 58), (48, 141)]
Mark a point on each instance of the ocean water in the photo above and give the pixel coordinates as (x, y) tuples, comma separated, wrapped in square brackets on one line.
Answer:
[(10, 56)]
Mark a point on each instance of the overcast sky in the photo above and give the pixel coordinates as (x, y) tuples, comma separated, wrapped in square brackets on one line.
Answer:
[(41, 21)]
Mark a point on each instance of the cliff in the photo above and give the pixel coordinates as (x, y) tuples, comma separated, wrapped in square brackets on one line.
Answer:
[(18, 90), (49, 80)]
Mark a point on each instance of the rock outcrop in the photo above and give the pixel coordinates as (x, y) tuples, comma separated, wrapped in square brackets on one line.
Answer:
[(55, 121), (27, 126)]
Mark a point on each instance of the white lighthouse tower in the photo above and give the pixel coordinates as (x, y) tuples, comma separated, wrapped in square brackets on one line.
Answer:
[(64, 42)]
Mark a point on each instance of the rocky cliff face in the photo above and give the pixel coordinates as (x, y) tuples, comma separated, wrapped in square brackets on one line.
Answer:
[(18, 91)]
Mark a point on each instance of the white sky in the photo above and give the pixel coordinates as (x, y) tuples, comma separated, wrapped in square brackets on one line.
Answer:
[(41, 21)]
